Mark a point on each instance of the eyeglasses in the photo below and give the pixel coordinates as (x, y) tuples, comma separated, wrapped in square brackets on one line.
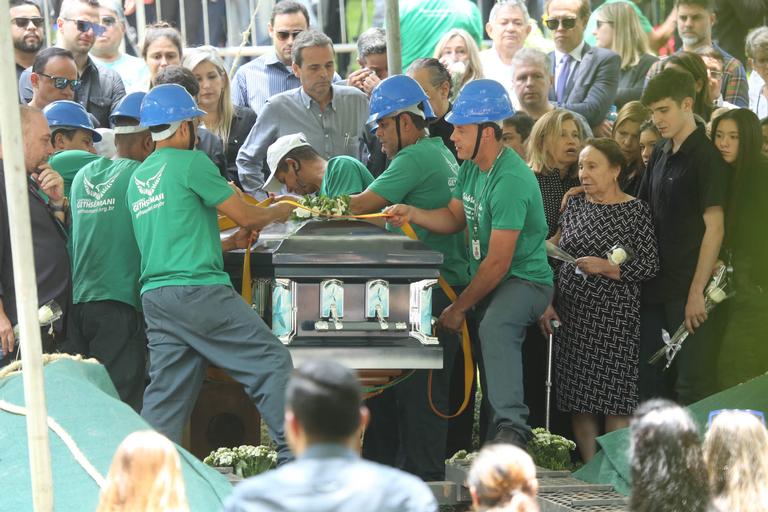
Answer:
[(283, 35), (566, 23), (108, 21), (600, 23), (23, 22), (714, 73), (60, 82), (85, 26)]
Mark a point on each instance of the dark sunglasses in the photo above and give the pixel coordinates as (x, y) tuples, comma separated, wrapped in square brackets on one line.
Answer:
[(283, 35), (600, 23), (108, 21), (22, 22), (566, 23), (60, 82), (85, 26)]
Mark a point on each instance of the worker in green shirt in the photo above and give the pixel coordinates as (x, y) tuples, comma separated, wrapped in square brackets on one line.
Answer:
[(422, 172), (194, 317), (497, 199), (294, 164), (106, 320)]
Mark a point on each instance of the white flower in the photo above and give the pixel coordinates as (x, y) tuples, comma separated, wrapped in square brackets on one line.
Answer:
[(717, 295), (302, 213), (617, 256)]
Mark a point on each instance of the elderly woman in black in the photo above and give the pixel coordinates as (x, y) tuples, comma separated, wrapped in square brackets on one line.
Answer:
[(598, 296)]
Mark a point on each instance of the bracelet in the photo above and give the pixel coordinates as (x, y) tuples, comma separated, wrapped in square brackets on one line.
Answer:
[(56, 208)]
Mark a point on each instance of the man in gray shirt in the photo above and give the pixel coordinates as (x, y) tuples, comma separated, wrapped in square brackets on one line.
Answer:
[(331, 116), (324, 419)]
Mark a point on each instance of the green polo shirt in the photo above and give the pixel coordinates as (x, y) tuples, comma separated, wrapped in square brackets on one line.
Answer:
[(506, 197), (68, 163), (344, 176), (424, 175), (173, 197)]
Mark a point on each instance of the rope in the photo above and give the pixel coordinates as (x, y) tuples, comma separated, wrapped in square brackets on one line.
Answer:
[(15, 367), (246, 34)]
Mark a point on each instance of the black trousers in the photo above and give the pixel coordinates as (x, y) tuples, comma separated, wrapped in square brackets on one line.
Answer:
[(113, 333), (404, 431)]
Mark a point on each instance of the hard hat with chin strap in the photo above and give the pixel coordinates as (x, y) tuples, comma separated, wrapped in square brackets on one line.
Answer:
[(130, 107), (480, 102), (168, 104), (69, 115), (397, 94)]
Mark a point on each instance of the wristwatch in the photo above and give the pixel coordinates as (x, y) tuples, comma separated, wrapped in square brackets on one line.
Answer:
[(63, 208)]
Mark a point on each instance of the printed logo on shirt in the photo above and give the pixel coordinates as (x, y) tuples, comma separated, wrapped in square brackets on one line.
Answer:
[(147, 188), (98, 191)]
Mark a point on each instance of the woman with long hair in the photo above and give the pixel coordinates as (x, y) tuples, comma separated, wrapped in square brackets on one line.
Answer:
[(694, 64), (619, 29), (231, 123), (666, 464), (162, 47), (649, 136), (459, 53), (145, 475), (744, 352), (736, 453), (626, 132), (553, 153)]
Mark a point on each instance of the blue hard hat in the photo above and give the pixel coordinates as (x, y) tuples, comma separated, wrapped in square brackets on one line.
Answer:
[(480, 101), (69, 115), (167, 103), (396, 93), (129, 106)]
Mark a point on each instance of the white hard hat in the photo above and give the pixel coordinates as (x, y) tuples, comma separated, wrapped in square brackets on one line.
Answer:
[(276, 152)]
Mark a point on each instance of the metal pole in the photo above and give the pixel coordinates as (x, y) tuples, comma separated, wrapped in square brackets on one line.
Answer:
[(320, 16), (183, 22), (141, 20), (364, 6), (343, 20), (206, 25), (24, 279), (47, 16), (394, 57), (252, 7), (158, 10)]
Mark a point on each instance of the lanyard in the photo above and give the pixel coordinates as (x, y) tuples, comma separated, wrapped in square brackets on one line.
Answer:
[(482, 194)]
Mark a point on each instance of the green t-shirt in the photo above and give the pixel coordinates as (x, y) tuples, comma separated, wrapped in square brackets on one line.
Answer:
[(344, 176), (173, 197), (67, 163), (506, 197), (424, 175), (423, 23), (589, 35), (105, 258)]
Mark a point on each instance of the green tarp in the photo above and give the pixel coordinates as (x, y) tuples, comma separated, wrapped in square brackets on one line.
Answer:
[(82, 399), (611, 464)]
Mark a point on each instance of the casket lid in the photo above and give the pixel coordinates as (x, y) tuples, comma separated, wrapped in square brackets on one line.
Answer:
[(345, 242)]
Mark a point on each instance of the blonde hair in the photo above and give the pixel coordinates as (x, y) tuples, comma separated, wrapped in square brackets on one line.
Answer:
[(736, 453), (629, 39), (474, 66), (548, 125), (145, 476), (499, 473), (225, 109)]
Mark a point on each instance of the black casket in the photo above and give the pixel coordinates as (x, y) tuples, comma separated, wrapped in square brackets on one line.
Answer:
[(345, 290)]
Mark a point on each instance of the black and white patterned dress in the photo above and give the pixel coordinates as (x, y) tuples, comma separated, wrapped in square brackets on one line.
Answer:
[(596, 351), (553, 188)]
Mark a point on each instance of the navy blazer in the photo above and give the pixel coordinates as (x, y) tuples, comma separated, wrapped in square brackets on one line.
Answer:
[(592, 86)]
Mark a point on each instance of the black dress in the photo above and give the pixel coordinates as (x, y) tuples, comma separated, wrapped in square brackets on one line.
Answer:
[(632, 80), (596, 353), (553, 188), (243, 119)]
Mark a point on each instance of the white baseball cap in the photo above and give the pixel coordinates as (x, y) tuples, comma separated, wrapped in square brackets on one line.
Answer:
[(276, 152)]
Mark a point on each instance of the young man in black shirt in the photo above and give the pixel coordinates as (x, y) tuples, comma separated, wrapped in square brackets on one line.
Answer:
[(685, 186)]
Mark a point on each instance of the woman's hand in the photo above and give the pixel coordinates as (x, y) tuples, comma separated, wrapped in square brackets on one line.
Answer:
[(591, 265), (546, 320), (572, 192)]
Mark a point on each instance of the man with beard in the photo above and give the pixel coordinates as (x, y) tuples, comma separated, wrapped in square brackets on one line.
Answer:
[(27, 33)]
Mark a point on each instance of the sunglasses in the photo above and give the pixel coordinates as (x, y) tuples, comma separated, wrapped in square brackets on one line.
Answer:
[(60, 82), (84, 26), (566, 23), (283, 35), (600, 23), (714, 414), (108, 21), (23, 22)]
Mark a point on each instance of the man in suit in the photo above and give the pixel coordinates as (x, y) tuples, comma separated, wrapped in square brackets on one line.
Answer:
[(586, 78)]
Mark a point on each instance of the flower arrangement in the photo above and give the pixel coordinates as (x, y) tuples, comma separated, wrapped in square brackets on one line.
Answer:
[(245, 460), (550, 451), (321, 206)]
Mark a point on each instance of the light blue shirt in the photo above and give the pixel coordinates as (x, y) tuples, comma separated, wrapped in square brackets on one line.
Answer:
[(339, 130), (262, 78), (332, 478), (132, 70)]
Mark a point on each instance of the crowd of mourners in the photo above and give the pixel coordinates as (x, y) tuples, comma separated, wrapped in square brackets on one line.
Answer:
[(585, 178)]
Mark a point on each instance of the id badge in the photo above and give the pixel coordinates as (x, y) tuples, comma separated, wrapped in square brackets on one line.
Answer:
[(476, 249)]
